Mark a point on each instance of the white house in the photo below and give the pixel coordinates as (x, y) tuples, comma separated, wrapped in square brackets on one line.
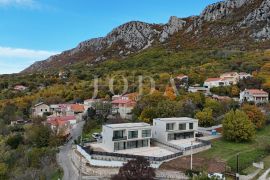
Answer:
[(244, 75), (232, 77), (215, 82), (39, 109), (169, 129), (126, 136), (254, 95)]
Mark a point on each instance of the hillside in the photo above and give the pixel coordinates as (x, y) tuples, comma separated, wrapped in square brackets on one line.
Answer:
[(230, 24)]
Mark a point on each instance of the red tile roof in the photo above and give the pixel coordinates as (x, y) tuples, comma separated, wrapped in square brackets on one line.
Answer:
[(213, 79), (121, 101), (59, 121), (126, 102), (77, 107), (257, 92)]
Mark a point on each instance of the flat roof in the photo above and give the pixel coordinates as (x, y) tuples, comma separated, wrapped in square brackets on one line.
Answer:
[(176, 119), (127, 125)]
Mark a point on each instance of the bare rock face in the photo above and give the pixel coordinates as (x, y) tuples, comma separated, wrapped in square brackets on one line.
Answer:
[(258, 17), (221, 9), (174, 25), (136, 36), (263, 34)]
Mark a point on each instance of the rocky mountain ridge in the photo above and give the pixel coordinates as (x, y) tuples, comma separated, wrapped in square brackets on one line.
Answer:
[(244, 19)]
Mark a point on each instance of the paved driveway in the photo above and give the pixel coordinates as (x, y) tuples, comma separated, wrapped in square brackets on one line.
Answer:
[(64, 156)]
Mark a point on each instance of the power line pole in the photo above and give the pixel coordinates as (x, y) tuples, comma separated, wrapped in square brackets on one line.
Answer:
[(80, 168), (191, 156), (237, 166)]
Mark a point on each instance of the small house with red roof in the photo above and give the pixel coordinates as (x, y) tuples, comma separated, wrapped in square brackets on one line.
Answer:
[(124, 107), (258, 96), (60, 125), (76, 108)]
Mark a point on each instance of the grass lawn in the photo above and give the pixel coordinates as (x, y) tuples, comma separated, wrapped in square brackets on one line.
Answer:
[(249, 152)]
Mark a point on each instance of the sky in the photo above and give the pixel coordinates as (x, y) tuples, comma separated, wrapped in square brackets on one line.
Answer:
[(32, 30)]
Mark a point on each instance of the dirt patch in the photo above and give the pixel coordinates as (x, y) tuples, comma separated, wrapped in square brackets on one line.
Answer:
[(199, 164)]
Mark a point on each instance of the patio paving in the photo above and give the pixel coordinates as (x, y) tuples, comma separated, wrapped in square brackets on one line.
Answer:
[(184, 143), (147, 151)]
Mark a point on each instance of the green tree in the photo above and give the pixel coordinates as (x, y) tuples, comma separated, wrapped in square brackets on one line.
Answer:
[(3, 170), (136, 169), (237, 127), (205, 117), (39, 135), (14, 141), (215, 105), (255, 115)]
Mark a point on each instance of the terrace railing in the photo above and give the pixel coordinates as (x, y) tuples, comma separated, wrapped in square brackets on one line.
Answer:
[(129, 156)]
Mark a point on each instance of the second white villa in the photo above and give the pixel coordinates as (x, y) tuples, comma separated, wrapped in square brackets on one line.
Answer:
[(166, 139)]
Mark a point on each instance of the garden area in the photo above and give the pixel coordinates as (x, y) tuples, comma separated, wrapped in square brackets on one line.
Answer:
[(226, 152)]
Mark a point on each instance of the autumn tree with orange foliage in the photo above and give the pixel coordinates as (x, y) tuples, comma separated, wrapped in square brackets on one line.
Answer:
[(255, 115)]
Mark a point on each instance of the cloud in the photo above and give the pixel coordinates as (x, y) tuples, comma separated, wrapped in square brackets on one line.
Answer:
[(14, 60), (25, 53), (19, 3)]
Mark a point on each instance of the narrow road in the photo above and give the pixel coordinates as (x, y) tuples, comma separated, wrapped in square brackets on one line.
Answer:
[(64, 156)]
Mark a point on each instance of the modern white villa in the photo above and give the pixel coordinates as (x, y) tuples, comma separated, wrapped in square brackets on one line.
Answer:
[(118, 137), (170, 129)]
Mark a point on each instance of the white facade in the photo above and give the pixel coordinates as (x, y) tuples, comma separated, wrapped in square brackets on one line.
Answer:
[(243, 75), (215, 82), (254, 95), (39, 109), (169, 129), (232, 77), (126, 136)]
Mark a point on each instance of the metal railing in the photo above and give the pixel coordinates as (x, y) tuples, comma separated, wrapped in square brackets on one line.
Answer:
[(129, 156), (119, 138)]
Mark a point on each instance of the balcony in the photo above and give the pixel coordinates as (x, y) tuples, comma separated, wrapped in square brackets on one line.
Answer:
[(119, 138)]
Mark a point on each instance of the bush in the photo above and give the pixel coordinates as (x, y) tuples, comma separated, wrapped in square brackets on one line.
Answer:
[(14, 141)]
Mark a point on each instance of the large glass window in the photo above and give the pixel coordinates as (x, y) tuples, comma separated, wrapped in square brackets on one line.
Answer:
[(131, 144), (182, 127), (170, 137), (132, 134), (118, 134), (146, 133), (119, 146), (169, 126), (190, 125)]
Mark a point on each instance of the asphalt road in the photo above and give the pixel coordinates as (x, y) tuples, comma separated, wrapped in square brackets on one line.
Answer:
[(64, 156)]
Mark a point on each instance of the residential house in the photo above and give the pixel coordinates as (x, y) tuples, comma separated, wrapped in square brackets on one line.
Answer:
[(194, 89), (215, 82), (76, 108), (126, 136), (40, 109), (181, 81), (169, 129), (123, 107), (232, 77), (60, 126), (254, 95), (71, 119), (244, 75), (61, 110), (20, 88)]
